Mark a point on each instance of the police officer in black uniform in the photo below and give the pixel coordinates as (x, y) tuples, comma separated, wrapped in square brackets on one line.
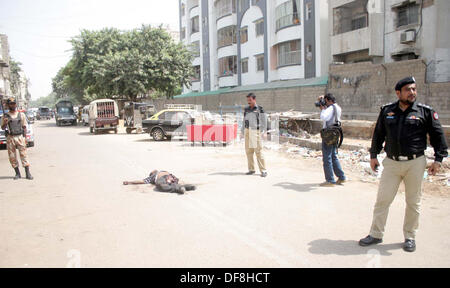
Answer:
[(403, 127)]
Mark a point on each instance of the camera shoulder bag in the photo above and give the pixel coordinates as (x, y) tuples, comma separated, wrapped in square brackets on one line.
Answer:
[(333, 136)]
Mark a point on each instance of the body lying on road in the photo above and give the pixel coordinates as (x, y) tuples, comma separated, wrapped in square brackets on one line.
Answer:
[(164, 182)]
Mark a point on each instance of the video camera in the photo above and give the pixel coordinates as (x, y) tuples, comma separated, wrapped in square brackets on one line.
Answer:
[(322, 102)]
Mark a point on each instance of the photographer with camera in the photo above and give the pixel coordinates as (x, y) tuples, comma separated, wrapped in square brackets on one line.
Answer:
[(331, 139)]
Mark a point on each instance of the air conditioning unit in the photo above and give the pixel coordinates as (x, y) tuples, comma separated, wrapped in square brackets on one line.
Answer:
[(408, 37)]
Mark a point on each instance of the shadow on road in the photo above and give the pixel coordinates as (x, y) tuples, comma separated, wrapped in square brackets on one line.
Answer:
[(297, 187), (53, 124), (98, 133), (349, 247), (6, 178), (229, 174)]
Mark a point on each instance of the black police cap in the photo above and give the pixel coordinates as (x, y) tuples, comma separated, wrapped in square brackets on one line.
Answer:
[(404, 82)]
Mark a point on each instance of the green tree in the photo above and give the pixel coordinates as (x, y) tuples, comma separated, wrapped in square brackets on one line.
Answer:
[(48, 101), (129, 64), (15, 81)]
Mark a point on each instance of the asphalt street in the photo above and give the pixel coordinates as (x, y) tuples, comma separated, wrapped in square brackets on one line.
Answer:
[(77, 213)]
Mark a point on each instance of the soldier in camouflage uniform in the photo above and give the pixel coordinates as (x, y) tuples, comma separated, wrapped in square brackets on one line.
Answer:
[(15, 124)]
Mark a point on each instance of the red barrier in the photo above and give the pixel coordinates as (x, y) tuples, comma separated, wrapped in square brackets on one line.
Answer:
[(221, 133)]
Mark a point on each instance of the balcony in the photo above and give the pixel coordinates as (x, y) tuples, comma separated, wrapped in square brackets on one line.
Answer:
[(352, 41), (287, 21)]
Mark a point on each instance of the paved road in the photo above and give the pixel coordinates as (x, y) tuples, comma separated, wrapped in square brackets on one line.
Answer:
[(76, 212)]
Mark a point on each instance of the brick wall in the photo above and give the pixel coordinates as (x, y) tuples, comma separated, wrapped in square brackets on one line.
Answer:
[(298, 98), (362, 88)]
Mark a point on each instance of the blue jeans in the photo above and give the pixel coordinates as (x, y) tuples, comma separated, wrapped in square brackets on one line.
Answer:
[(331, 165)]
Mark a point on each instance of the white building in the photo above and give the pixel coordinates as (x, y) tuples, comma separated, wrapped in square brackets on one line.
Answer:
[(5, 91), (384, 31), (246, 42), (23, 95)]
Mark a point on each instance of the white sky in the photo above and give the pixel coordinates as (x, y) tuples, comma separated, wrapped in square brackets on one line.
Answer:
[(38, 30)]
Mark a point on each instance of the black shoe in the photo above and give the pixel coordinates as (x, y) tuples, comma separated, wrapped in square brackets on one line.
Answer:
[(189, 187), (264, 174), (369, 240), (18, 176), (27, 172), (410, 245), (250, 173)]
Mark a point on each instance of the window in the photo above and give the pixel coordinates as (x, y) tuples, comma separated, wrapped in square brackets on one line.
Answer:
[(244, 64), (244, 35), (254, 2), (288, 14), (289, 53), (408, 15), (309, 53), (226, 36), (182, 116), (259, 26), (195, 25), (195, 48), (197, 73), (183, 33), (259, 62), (169, 116), (359, 22), (309, 11), (228, 66), (183, 9), (225, 7)]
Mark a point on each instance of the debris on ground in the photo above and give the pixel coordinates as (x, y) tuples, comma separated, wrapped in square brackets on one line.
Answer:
[(358, 163)]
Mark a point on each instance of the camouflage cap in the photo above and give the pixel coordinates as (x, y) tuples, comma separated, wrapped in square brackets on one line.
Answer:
[(11, 100)]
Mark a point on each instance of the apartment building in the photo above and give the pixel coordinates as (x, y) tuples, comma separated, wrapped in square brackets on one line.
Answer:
[(385, 31), (248, 42), (23, 96), (4, 67)]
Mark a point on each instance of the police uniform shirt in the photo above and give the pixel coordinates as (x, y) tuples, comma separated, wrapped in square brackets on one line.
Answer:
[(405, 132), (254, 118)]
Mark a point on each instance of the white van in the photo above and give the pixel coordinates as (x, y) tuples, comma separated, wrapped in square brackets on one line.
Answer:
[(85, 115), (103, 115)]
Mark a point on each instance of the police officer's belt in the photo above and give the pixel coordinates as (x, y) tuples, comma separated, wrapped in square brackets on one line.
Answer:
[(406, 158)]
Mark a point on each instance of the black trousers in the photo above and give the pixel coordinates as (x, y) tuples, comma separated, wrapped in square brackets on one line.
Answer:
[(163, 186)]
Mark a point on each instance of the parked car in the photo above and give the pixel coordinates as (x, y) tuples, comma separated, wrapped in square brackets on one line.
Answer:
[(30, 134), (103, 115), (31, 116), (44, 113), (65, 113), (169, 122), (85, 115), (2, 139)]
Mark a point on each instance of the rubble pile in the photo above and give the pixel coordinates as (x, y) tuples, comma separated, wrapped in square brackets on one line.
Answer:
[(358, 162)]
